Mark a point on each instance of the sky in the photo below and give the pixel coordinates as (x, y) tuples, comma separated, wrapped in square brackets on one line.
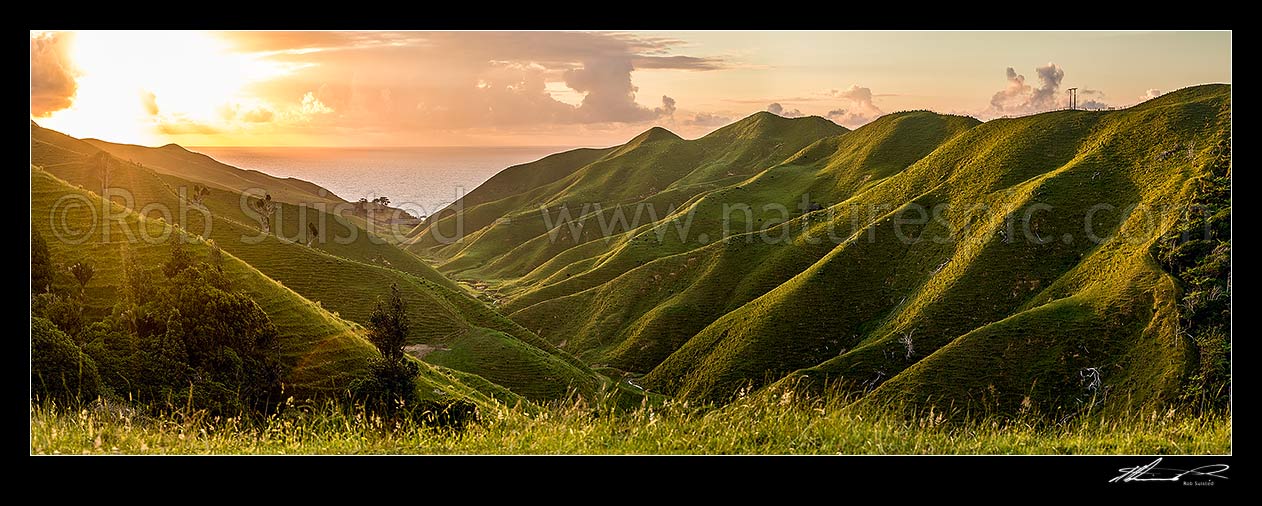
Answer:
[(537, 88)]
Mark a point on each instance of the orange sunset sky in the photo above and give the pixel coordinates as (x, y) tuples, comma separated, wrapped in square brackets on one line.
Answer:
[(573, 88)]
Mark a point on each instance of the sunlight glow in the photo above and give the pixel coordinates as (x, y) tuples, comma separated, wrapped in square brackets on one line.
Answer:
[(191, 77), (543, 88)]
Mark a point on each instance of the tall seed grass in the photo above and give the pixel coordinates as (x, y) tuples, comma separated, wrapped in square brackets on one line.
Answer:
[(754, 425)]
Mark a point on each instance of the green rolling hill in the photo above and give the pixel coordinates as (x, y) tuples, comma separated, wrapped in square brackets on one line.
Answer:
[(656, 168), (344, 273), (322, 351), (173, 159), (927, 259), (1030, 274)]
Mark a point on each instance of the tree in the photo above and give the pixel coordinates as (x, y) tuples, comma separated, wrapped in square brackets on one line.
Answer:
[(66, 312), (59, 369), (103, 163), (181, 257), (388, 326), (265, 206), (313, 233), (41, 264), (199, 194), (391, 382), (191, 341), (83, 272), (138, 287)]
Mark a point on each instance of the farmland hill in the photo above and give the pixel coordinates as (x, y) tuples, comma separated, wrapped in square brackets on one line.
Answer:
[(343, 272), (1023, 263)]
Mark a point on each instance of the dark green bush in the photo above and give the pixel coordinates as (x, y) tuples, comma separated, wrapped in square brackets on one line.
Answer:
[(1198, 253), (41, 264), (59, 370)]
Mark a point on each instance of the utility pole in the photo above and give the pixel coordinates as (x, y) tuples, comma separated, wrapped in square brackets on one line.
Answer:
[(1073, 98)]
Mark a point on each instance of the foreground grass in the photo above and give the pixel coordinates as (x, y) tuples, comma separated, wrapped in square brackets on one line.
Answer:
[(774, 426)]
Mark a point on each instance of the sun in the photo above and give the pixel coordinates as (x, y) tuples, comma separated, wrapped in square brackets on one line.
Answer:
[(135, 85)]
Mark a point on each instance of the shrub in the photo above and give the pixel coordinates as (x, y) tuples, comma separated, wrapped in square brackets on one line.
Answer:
[(59, 370), (391, 380), (41, 264)]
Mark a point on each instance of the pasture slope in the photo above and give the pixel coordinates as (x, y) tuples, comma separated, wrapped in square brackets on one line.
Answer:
[(922, 258), (343, 272)]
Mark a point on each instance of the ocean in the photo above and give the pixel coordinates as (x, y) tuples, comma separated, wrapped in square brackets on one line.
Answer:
[(419, 179)]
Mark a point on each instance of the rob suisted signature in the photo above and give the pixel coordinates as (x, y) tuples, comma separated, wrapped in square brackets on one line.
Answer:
[(1151, 472)]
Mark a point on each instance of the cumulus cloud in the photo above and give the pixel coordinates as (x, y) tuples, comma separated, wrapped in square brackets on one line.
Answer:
[(861, 110), (1150, 94), (258, 115), (667, 110), (1087, 103), (779, 110), (312, 106), (610, 96), (1021, 98), (678, 62), (53, 84), (150, 102), (455, 80), (855, 93), (1092, 105), (1050, 76), (707, 120)]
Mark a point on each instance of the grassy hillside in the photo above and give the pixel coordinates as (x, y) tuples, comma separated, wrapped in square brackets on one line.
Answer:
[(344, 273), (322, 351), (508, 237), (654, 294), (174, 160), (1020, 321), (922, 257)]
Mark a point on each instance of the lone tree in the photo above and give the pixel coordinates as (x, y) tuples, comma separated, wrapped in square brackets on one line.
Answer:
[(103, 163), (388, 326), (265, 206), (313, 233), (392, 380), (82, 272), (199, 194)]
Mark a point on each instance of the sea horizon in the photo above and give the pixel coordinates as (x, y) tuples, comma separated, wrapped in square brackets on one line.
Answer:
[(419, 179)]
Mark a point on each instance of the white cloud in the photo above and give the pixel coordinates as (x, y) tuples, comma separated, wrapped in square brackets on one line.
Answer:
[(1021, 98), (779, 110), (708, 120), (312, 106), (861, 109)]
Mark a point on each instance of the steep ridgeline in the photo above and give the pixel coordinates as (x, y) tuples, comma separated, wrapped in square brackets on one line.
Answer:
[(173, 159), (341, 267), (656, 170), (921, 258)]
